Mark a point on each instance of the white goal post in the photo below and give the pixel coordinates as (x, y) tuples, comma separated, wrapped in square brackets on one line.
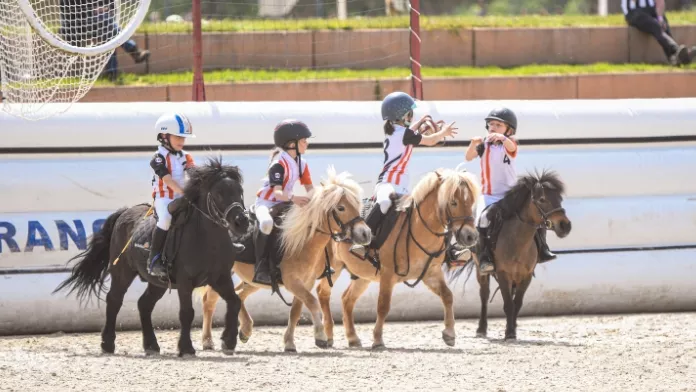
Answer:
[(126, 32), (52, 51)]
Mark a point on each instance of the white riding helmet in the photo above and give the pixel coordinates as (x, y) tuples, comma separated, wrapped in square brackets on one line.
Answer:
[(174, 124)]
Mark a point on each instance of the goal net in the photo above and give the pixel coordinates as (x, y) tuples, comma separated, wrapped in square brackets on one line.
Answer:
[(265, 50), (52, 51)]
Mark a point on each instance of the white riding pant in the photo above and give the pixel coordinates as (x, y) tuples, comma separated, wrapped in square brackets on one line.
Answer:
[(481, 208), (164, 218), (263, 215), (383, 192)]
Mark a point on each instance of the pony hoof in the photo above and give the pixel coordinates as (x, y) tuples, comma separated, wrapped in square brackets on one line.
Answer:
[(290, 350), (228, 348), (108, 348), (329, 343), (510, 338), (208, 344), (449, 340), (481, 335), (379, 346), (187, 355), (321, 343), (152, 352), (355, 344), (243, 338)]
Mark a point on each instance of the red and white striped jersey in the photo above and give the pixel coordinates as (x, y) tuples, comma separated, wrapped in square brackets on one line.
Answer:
[(165, 162), (397, 153), (498, 172), (282, 171)]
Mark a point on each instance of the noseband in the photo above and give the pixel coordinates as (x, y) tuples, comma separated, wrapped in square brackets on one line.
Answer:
[(215, 215)]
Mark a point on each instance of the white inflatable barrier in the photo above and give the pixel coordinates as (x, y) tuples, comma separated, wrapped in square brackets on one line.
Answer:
[(631, 195)]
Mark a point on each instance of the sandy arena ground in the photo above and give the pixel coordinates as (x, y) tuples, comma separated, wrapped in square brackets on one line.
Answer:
[(654, 352)]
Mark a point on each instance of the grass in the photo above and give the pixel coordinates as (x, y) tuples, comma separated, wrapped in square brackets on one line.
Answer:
[(231, 76), (427, 23)]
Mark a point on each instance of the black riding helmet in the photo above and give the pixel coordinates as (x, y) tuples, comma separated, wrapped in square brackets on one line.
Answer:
[(288, 131), (505, 115)]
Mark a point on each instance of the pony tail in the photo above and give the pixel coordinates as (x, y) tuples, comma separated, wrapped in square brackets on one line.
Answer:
[(388, 128)]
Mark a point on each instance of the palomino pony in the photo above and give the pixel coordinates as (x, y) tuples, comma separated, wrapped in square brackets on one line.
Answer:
[(306, 232), (533, 203), (440, 206), (202, 253)]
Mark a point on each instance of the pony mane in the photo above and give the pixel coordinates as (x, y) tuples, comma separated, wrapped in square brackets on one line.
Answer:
[(204, 176), (301, 222), (516, 197), (452, 180)]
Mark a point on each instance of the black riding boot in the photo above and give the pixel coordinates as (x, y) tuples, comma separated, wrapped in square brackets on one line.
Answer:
[(545, 253), (155, 262), (373, 220), (262, 273), (484, 252)]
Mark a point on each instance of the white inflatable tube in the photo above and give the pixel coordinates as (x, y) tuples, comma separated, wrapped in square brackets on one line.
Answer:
[(655, 281), (252, 123)]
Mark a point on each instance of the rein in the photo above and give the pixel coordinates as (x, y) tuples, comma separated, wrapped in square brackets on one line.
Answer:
[(337, 237)]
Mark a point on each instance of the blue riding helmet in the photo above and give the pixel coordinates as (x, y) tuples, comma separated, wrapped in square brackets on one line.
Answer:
[(396, 105)]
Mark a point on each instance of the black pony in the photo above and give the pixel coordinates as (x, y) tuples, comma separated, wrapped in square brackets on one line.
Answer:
[(206, 223)]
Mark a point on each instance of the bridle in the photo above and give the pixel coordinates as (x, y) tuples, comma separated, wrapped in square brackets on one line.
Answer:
[(344, 227), (546, 222), (215, 215)]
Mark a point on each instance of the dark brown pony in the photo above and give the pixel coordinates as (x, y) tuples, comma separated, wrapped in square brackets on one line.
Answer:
[(534, 202)]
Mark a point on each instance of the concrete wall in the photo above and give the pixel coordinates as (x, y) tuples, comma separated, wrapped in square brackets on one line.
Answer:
[(361, 49)]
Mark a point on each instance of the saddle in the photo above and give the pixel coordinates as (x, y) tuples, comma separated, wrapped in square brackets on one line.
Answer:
[(142, 235)]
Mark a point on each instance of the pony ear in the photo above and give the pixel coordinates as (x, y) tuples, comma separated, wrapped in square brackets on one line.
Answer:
[(439, 173)]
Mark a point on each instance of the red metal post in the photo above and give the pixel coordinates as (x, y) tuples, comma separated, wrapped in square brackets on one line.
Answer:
[(198, 83), (415, 51)]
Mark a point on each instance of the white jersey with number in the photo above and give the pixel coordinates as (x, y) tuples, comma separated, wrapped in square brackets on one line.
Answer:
[(283, 171), (397, 153), (498, 172)]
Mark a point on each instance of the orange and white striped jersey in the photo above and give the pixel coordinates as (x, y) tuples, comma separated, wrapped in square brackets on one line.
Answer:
[(498, 172), (282, 171), (397, 153), (165, 162)]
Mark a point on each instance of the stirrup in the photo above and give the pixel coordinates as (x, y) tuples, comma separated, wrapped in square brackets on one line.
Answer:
[(460, 257), (489, 267), (359, 251), (157, 267)]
